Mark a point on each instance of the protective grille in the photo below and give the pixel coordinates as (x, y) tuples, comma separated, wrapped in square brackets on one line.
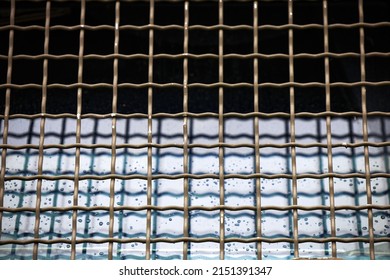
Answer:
[(102, 77)]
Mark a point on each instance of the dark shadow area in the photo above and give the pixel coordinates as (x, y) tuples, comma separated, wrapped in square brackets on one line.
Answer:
[(200, 70)]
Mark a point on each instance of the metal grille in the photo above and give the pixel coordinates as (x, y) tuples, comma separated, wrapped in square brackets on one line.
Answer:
[(76, 246)]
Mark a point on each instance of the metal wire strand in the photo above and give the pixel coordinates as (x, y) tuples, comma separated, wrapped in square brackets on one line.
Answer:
[(365, 132), (195, 208), (6, 112), (196, 56), (185, 132), (220, 84), (196, 240), (114, 132), (42, 133), (256, 127), (150, 136), (292, 131), (198, 176), (220, 136), (199, 27), (329, 129), (204, 115), (78, 132)]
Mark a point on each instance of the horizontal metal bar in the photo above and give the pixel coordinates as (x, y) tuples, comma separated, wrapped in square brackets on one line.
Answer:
[(194, 176), (194, 240), (194, 56), (195, 145), (194, 85), (197, 208), (194, 27), (200, 115)]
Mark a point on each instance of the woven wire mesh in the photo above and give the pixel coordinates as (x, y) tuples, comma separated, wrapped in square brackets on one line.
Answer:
[(62, 171)]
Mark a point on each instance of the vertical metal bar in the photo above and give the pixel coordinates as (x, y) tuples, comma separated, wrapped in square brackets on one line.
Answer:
[(365, 131), (329, 129), (256, 125), (89, 189), (155, 191), (57, 184), (90, 184), (123, 189), (220, 136), (23, 184), (150, 137), (42, 132), (289, 184), (6, 110), (324, 196), (292, 128), (185, 129), (355, 186), (113, 139), (78, 131)]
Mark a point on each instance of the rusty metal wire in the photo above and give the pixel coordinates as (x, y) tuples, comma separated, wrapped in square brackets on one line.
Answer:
[(150, 55)]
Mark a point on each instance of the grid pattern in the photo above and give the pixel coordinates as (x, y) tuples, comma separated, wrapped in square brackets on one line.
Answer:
[(292, 146)]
